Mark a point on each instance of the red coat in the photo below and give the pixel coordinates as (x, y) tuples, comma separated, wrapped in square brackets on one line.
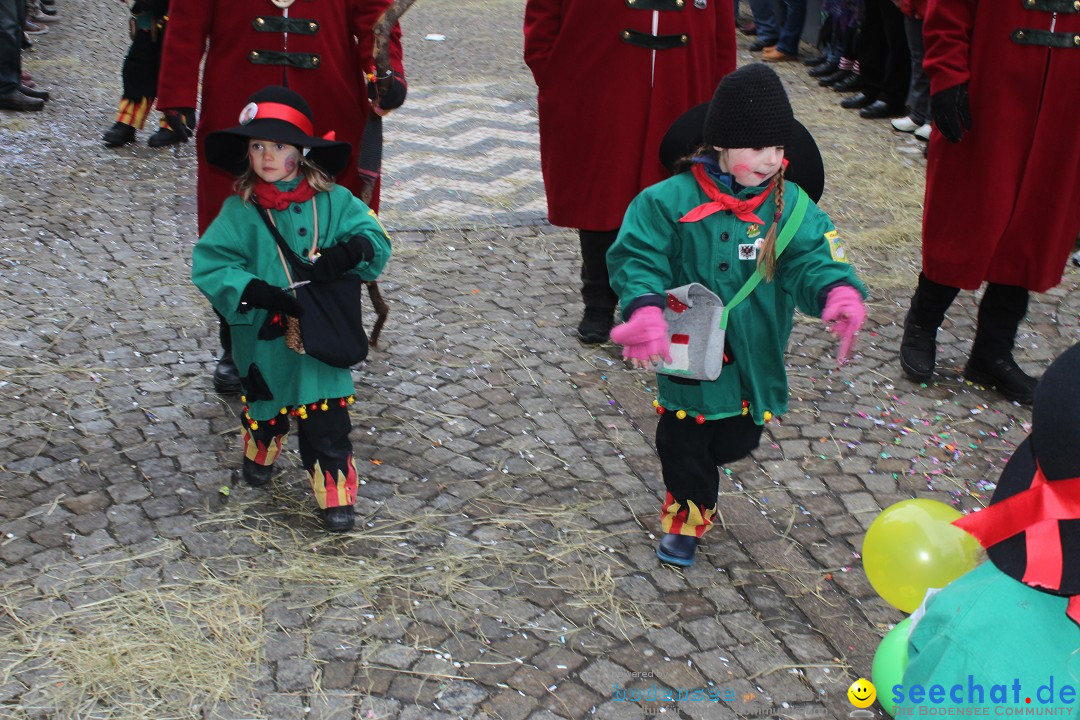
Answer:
[(334, 87), (1003, 204), (605, 104)]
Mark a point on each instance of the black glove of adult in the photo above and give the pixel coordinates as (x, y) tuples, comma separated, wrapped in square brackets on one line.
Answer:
[(952, 112), (338, 259), (261, 294), (181, 121)]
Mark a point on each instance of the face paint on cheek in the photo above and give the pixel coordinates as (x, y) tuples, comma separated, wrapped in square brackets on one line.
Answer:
[(740, 169), (290, 164)]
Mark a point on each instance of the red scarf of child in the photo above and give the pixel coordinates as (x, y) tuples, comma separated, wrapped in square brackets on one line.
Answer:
[(268, 196), (743, 209)]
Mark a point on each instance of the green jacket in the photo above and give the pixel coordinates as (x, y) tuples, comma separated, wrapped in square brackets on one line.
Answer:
[(655, 252), (999, 631), (237, 248)]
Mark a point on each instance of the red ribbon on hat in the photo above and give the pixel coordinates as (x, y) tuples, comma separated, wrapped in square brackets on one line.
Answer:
[(279, 111), (1034, 512)]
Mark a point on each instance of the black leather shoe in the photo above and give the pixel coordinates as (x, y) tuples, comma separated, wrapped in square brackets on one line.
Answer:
[(595, 325), (16, 100), (918, 350), (677, 549), (813, 60), (226, 376), (759, 44), (852, 83), (858, 100), (165, 136), (830, 80), (823, 70), (880, 109), (339, 519), (1003, 375), (119, 134), (31, 92), (256, 475)]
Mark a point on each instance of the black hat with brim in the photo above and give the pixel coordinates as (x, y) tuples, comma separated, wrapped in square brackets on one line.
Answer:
[(1031, 529), (281, 115), (805, 167)]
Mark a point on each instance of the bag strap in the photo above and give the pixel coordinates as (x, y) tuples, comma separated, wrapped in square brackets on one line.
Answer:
[(786, 233), (284, 251)]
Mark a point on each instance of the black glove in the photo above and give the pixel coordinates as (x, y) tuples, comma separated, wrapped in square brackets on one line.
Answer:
[(261, 294), (952, 112), (338, 259), (181, 121), (388, 92)]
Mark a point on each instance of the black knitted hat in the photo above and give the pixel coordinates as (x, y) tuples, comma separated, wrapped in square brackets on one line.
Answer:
[(750, 109)]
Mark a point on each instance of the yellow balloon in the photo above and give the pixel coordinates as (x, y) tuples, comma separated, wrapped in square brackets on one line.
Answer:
[(911, 547)]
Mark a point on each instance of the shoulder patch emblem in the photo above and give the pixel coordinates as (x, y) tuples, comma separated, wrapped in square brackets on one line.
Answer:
[(836, 247)]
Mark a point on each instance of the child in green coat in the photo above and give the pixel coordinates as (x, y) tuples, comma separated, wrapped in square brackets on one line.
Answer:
[(286, 172), (719, 224)]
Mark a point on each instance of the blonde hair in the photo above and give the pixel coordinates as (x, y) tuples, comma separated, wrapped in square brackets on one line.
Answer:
[(317, 178), (766, 261)]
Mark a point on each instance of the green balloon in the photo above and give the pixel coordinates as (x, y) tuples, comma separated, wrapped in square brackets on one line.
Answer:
[(890, 660)]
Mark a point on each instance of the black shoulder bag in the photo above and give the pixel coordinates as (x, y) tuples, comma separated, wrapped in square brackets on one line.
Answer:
[(331, 329)]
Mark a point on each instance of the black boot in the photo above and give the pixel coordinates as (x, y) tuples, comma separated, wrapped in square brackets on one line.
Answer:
[(256, 475), (595, 325), (119, 134), (918, 347), (677, 549), (226, 376), (165, 136), (339, 519), (991, 363), (824, 69)]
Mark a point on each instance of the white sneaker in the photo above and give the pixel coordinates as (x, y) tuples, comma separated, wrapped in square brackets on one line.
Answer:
[(905, 124), (923, 132)]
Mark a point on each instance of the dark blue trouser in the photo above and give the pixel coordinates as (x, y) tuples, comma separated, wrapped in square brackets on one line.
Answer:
[(11, 22)]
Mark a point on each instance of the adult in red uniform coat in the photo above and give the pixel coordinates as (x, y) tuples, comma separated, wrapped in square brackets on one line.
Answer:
[(319, 48), (612, 76), (1003, 174)]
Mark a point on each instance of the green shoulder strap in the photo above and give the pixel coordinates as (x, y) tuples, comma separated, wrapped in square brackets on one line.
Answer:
[(790, 228)]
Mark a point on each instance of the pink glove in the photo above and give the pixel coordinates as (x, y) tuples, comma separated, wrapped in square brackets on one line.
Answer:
[(644, 336), (844, 314)]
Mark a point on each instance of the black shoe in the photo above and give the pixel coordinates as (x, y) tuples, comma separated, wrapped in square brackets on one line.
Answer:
[(823, 70), (31, 92), (852, 83), (119, 134), (918, 350), (813, 60), (880, 109), (339, 519), (677, 549), (16, 100), (165, 136), (858, 100), (1003, 375), (830, 80), (759, 44), (595, 325), (226, 376), (256, 475), (747, 28)]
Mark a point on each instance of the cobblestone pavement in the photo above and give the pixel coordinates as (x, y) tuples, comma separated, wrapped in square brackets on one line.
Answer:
[(503, 566)]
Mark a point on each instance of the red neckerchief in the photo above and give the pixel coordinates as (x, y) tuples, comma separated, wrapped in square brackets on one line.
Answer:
[(268, 196), (743, 209), (1034, 512)]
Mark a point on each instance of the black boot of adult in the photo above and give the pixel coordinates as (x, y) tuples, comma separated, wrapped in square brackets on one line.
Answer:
[(339, 519), (256, 475), (918, 347), (596, 293), (226, 374), (991, 362)]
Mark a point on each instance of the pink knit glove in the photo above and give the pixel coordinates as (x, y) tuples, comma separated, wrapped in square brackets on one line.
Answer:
[(844, 314), (644, 336)]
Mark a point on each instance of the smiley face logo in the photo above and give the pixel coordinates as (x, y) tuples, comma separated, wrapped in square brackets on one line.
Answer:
[(862, 693)]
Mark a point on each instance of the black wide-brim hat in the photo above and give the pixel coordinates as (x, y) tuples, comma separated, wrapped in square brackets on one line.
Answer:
[(805, 167), (279, 114), (1031, 529)]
